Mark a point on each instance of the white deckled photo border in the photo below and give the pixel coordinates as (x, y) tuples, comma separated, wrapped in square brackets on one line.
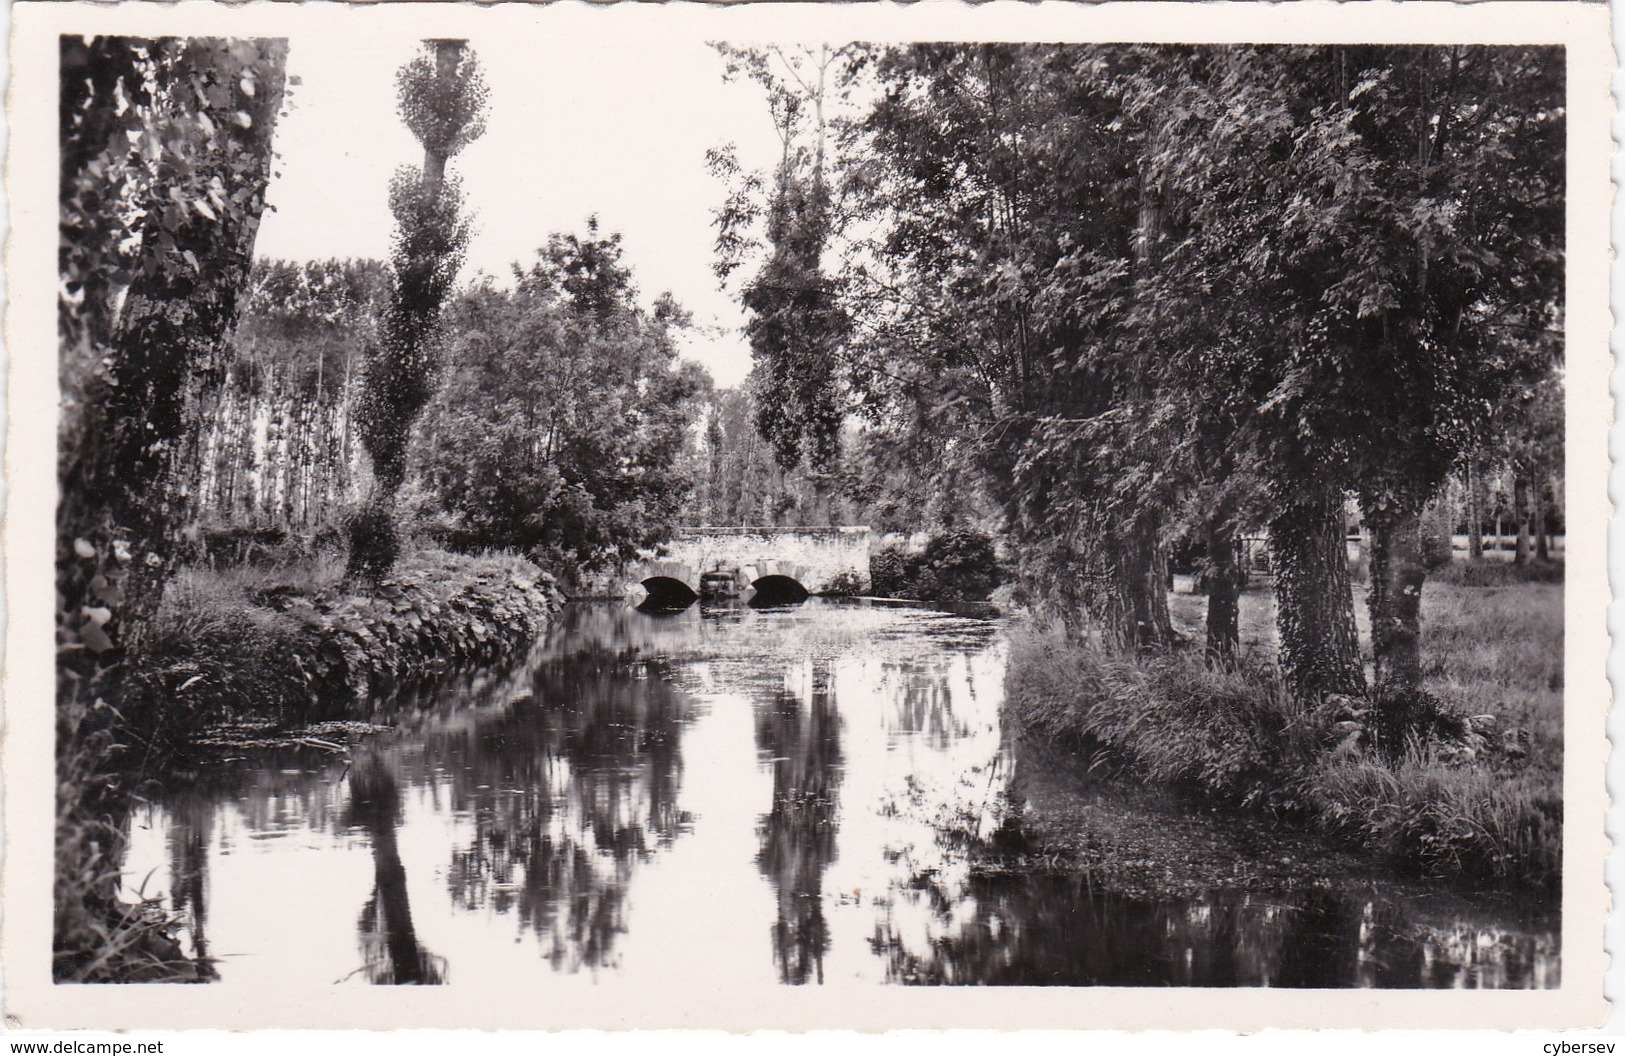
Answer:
[(25, 939)]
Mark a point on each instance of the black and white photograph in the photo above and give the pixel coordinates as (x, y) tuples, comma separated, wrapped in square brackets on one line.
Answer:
[(779, 523)]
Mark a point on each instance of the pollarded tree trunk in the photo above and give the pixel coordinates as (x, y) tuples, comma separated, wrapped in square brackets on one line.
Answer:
[(1395, 598), (1225, 580), (1320, 651)]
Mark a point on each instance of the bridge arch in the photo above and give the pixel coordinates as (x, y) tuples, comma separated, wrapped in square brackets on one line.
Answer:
[(777, 589), (667, 592)]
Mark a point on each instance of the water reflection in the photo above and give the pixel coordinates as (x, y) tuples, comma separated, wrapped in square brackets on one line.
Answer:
[(390, 951), (798, 732), (191, 832), (640, 795), (1062, 930), (565, 791)]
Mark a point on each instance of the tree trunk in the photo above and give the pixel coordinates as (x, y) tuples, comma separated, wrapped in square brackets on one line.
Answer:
[(1138, 618), (1395, 598), (1543, 551), (1520, 505), (1320, 650), (1225, 580), (1475, 514), (121, 509)]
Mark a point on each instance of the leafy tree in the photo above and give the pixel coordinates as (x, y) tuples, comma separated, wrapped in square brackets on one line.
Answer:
[(797, 320), (442, 100), (563, 412), (1018, 230), (1377, 229)]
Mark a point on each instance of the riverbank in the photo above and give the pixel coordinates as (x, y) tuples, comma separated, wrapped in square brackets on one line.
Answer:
[(1484, 806), (282, 644)]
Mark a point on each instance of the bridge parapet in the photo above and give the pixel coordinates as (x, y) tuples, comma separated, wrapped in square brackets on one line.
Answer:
[(814, 556)]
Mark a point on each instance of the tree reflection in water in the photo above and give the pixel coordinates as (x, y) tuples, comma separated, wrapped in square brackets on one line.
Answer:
[(1039, 930), (191, 830), (390, 951), (568, 789), (553, 782), (801, 734)]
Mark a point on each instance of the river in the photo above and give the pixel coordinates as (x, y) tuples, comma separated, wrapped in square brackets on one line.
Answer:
[(814, 794)]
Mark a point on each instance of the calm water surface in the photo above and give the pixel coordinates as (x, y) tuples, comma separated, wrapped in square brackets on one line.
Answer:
[(793, 796)]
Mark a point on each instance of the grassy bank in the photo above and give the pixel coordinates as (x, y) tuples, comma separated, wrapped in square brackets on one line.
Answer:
[(282, 640), (289, 641), (1485, 805)]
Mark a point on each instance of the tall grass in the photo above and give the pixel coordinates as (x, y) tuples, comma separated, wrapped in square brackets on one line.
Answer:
[(1476, 809), (1177, 722)]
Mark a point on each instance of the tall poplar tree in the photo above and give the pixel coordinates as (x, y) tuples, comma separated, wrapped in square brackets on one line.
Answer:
[(443, 101), (798, 322)]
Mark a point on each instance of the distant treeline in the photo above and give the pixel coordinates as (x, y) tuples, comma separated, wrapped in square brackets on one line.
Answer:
[(559, 414)]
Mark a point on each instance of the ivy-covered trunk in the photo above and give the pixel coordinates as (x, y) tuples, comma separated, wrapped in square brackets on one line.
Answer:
[(1320, 650), (122, 505), (1395, 597)]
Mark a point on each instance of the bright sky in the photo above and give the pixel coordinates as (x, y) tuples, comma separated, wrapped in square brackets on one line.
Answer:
[(614, 127)]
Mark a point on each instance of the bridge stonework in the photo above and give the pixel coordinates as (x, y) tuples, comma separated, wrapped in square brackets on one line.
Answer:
[(813, 557)]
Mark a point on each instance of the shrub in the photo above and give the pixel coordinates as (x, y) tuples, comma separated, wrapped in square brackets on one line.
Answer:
[(888, 572), (958, 565), (847, 584)]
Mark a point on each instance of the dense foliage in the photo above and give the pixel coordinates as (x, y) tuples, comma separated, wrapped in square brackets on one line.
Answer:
[(1138, 292), (955, 566), (563, 413)]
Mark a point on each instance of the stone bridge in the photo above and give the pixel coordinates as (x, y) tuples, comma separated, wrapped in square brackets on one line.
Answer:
[(760, 558)]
